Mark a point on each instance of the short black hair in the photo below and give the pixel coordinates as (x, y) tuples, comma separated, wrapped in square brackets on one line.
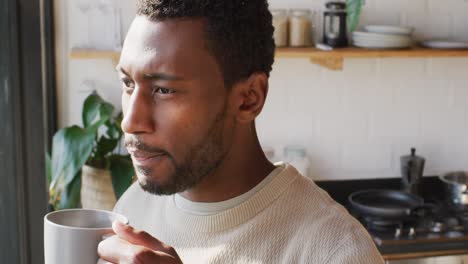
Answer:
[(239, 32)]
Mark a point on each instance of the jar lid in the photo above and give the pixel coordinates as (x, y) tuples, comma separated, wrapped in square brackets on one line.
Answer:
[(336, 6), (295, 151), (279, 12), (300, 12)]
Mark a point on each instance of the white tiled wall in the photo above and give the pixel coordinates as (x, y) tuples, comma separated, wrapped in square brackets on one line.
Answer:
[(354, 123)]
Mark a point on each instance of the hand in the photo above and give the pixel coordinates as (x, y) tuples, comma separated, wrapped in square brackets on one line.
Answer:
[(131, 246)]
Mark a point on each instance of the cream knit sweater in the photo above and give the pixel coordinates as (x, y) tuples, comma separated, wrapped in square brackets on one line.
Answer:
[(290, 220)]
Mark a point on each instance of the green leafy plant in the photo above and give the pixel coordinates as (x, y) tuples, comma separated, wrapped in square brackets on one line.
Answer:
[(353, 8), (96, 145)]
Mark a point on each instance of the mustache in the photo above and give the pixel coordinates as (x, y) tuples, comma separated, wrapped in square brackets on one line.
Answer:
[(136, 143)]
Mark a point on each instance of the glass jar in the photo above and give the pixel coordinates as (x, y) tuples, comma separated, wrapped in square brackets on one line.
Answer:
[(334, 25), (300, 28), (297, 157), (280, 23), (270, 154)]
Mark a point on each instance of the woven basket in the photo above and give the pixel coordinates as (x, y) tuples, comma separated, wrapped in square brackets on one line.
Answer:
[(96, 189)]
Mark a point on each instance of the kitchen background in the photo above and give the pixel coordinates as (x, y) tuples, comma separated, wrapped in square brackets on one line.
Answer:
[(354, 123)]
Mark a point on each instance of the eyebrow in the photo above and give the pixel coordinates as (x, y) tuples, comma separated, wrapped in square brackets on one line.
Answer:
[(155, 76)]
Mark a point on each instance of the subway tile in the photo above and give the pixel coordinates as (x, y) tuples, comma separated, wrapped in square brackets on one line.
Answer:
[(325, 154), (454, 157), (370, 17), (326, 96), (295, 69), (400, 6), (303, 127), (350, 125), (395, 124), (448, 68), (356, 125), (357, 70), (459, 96), (359, 97), (448, 6), (383, 95), (435, 95), (428, 25), (330, 125), (416, 20), (391, 69), (300, 99), (444, 126), (345, 173), (460, 23), (438, 25), (374, 155), (408, 95), (270, 129)]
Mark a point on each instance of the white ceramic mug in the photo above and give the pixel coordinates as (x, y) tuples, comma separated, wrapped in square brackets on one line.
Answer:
[(72, 236)]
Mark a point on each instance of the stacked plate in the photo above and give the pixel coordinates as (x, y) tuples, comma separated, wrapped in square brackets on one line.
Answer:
[(444, 44), (383, 37)]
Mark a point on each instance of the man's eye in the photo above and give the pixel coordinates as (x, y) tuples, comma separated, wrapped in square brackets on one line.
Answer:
[(161, 90), (128, 84)]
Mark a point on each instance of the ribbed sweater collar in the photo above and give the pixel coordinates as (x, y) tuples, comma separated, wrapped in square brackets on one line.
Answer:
[(183, 221)]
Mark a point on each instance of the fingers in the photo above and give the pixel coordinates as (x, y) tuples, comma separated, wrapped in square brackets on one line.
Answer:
[(116, 250), (112, 249), (106, 236), (141, 238)]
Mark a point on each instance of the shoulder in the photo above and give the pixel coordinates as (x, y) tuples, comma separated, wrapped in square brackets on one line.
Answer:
[(332, 230), (356, 246)]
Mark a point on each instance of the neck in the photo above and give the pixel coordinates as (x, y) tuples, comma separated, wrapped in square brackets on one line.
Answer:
[(244, 166)]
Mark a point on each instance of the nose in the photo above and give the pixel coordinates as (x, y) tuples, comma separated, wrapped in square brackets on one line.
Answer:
[(138, 112)]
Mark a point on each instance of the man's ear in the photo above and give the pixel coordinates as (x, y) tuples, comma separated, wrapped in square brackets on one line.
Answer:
[(248, 97)]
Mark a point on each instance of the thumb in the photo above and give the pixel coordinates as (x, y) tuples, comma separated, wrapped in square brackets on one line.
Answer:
[(140, 238)]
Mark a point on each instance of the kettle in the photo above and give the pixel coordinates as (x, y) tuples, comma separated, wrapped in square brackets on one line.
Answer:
[(412, 169)]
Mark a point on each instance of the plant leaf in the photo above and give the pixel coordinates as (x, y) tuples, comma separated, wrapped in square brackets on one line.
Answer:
[(70, 196), (71, 148), (105, 110), (119, 118), (353, 7), (91, 108), (122, 172), (104, 146), (48, 169), (113, 130)]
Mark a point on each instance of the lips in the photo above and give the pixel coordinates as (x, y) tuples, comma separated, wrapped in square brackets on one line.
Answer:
[(141, 156)]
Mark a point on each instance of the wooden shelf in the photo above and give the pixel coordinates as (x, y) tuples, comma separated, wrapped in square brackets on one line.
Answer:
[(332, 60), (95, 54)]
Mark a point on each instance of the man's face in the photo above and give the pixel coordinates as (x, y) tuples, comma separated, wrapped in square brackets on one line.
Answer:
[(176, 122)]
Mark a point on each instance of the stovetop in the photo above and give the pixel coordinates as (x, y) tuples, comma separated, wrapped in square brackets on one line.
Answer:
[(419, 242), (440, 228)]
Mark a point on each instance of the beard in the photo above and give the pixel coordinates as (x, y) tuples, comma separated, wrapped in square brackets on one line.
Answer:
[(201, 160)]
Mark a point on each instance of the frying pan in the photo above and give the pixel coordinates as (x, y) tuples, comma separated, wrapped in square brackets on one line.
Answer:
[(385, 204)]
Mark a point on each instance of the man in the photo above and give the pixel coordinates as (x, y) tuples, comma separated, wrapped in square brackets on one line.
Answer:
[(195, 77)]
